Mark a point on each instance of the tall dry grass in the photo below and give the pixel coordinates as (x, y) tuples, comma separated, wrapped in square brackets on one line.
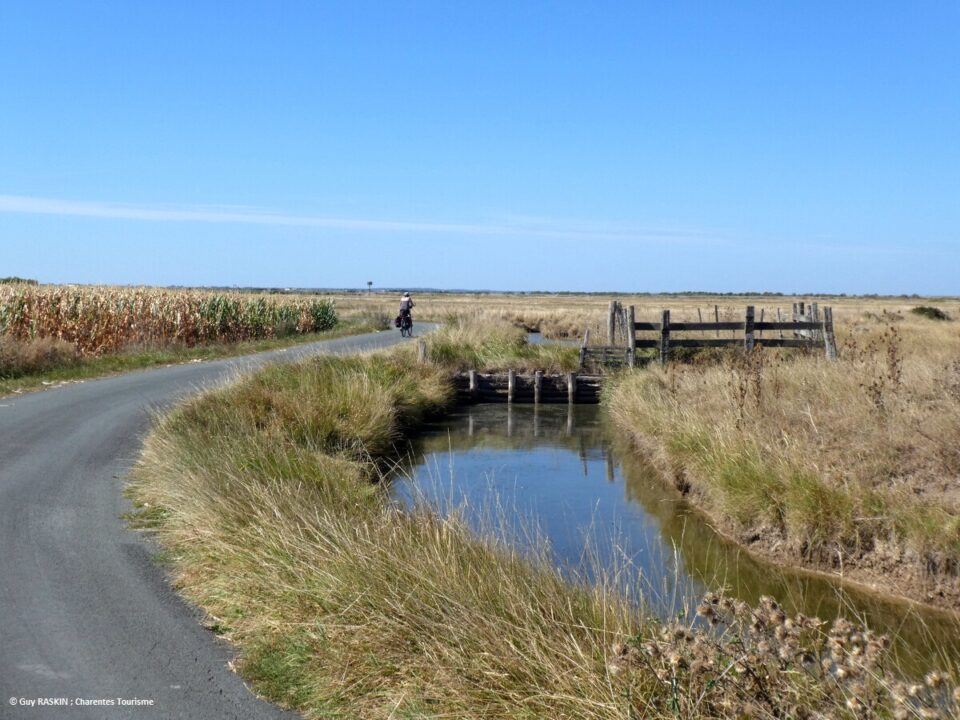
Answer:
[(475, 343), (25, 357), (849, 465)]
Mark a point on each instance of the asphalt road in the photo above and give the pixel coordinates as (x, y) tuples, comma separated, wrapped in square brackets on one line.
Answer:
[(86, 614)]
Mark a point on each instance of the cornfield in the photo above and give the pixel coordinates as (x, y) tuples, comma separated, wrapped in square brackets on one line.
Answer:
[(99, 320)]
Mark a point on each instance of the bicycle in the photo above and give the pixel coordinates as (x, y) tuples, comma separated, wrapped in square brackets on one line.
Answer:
[(406, 325)]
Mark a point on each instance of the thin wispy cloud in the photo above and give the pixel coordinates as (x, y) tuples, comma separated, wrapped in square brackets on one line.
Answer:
[(516, 227)]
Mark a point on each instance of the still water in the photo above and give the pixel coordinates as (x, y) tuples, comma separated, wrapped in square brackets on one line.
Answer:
[(553, 476)]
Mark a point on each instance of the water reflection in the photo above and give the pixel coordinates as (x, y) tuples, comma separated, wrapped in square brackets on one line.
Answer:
[(551, 474)]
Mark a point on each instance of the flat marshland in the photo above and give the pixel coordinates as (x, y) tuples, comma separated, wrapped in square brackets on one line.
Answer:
[(266, 495)]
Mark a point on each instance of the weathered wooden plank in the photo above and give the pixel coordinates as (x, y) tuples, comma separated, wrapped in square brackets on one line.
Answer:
[(798, 325), (664, 337), (686, 327), (829, 339), (707, 342), (787, 342), (611, 327)]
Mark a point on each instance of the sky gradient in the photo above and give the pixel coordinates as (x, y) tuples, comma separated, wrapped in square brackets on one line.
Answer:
[(805, 147)]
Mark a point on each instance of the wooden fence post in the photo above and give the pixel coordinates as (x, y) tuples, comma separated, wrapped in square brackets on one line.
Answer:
[(779, 320), (631, 336), (664, 337), (537, 385), (716, 317), (829, 339), (761, 320), (611, 327), (474, 387), (571, 388), (421, 351), (511, 384), (748, 329), (583, 347)]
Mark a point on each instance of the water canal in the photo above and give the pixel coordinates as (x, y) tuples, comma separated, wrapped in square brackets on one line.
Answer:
[(553, 475)]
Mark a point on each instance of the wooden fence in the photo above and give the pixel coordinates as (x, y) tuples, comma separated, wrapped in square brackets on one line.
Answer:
[(808, 327)]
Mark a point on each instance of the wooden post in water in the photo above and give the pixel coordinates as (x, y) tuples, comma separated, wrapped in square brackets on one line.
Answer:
[(511, 384), (537, 385), (474, 387), (631, 336), (664, 337), (829, 339), (421, 351), (583, 347), (748, 329), (571, 388)]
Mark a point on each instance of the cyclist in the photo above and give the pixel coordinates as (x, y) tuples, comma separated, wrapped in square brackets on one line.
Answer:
[(406, 305)]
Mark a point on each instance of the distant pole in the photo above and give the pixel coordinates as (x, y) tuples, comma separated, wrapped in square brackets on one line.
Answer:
[(369, 286)]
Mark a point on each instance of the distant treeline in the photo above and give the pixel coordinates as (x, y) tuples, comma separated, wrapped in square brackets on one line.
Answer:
[(562, 293), (17, 281)]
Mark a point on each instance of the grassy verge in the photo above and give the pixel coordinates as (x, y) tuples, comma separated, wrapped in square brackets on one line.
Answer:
[(852, 466), (68, 366), (264, 495)]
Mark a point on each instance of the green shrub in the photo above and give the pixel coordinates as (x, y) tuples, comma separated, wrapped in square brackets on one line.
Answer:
[(929, 312)]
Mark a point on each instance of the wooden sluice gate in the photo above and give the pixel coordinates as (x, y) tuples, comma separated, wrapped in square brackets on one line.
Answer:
[(534, 388)]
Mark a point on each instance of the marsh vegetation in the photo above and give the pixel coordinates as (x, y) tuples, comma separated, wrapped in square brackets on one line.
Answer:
[(266, 495)]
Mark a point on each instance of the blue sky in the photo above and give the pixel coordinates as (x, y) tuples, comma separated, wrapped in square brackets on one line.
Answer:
[(795, 147)]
